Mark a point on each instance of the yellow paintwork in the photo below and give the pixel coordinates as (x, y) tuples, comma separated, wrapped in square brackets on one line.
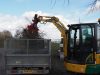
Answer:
[(80, 68), (65, 45), (75, 67), (97, 58)]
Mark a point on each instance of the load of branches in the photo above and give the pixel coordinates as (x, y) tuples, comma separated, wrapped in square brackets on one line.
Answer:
[(31, 31)]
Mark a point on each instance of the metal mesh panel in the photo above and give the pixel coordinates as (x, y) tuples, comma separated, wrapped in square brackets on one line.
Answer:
[(27, 46)]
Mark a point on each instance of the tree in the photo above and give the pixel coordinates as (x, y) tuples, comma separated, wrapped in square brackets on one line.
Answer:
[(95, 5), (4, 35)]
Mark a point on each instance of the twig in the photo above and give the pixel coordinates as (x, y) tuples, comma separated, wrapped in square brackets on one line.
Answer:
[(54, 3)]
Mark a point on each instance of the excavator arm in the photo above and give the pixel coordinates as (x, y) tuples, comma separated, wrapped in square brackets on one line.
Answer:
[(60, 26), (55, 21)]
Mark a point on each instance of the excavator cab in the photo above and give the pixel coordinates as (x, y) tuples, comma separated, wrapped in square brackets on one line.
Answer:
[(84, 47), (81, 43)]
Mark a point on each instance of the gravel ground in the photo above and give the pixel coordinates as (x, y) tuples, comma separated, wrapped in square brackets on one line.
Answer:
[(57, 67)]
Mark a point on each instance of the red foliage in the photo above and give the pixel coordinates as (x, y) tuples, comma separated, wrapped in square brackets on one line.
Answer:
[(32, 28)]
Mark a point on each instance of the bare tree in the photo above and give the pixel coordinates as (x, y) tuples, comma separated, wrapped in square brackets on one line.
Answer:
[(53, 2), (95, 5)]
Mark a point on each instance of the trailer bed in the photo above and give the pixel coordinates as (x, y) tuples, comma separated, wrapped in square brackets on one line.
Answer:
[(28, 56)]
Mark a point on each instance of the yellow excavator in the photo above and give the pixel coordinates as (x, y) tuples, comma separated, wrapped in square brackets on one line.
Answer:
[(80, 44)]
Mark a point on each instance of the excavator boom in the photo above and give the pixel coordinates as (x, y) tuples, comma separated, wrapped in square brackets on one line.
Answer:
[(60, 26)]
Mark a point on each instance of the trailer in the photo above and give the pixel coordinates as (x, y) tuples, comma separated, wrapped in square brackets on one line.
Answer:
[(27, 56)]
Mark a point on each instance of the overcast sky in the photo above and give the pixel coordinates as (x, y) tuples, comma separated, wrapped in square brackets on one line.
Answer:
[(13, 14)]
